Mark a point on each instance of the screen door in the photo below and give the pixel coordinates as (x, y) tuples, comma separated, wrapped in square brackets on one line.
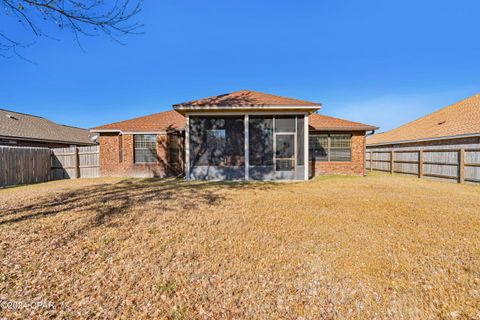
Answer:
[(285, 154)]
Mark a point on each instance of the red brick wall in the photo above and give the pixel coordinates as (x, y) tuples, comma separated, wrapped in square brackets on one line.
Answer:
[(354, 167), (112, 165)]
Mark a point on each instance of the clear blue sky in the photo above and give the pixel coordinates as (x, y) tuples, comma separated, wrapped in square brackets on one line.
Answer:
[(378, 62)]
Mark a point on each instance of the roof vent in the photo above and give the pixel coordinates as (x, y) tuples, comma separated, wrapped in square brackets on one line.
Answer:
[(11, 117), (441, 122)]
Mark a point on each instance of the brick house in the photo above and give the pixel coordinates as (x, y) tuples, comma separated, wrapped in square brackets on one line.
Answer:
[(457, 125), (244, 135)]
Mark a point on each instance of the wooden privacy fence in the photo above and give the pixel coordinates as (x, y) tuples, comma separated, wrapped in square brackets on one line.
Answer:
[(75, 162), (19, 165), (25, 165), (459, 164)]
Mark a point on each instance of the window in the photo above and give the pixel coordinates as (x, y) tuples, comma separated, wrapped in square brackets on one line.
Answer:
[(318, 147), (145, 148), (340, 147), (330, 147), (173, 148)]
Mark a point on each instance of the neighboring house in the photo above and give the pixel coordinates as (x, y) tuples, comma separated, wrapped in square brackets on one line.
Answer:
[(20, 129), (453, 126), (243, 135)]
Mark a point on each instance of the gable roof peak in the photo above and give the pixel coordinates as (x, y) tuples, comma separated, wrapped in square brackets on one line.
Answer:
[(245, 98)]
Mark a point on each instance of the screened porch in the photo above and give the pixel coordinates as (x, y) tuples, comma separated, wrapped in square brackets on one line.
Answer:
[(247, 147)]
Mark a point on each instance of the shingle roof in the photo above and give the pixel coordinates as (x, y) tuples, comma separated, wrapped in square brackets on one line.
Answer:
[(245, 98), (20, 125), (461, 118), (172, 120), (322, 122), (158, 122)]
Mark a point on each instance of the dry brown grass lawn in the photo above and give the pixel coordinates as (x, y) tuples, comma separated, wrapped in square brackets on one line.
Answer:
[(377, 247)]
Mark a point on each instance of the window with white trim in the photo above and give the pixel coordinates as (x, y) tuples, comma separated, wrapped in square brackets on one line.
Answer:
[(145, 148), (340, 147), (330, 147)]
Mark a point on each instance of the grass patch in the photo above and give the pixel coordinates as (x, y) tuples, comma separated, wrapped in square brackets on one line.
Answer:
[(333, 247)]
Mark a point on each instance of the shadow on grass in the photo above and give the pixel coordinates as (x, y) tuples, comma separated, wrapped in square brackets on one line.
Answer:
[(118, 198)]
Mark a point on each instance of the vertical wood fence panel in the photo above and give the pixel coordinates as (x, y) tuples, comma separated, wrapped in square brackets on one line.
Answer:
[(64, 163), (25, 165), (89, 162), (71, 163), (454, 164)]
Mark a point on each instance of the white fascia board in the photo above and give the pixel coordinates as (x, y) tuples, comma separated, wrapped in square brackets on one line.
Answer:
[(267, 107), (320, 129), (145, 132), (460, 136), (104, 130), (128, 132), (249, 112)]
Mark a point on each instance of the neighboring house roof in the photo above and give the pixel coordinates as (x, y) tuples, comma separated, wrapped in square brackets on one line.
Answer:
[(457, 120), (172, 120), (154, 123), (245, 98), (21, 126), (322, 122)]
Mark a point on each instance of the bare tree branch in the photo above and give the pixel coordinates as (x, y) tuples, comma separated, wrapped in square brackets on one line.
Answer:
[(81, 17)]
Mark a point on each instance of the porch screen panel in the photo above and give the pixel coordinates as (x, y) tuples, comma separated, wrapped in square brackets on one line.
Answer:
[(261, 147), (284, 123), (285, 146), (217, 146), (285, 152), (261, 141), (198, 141), (300, 168), (300, 140)]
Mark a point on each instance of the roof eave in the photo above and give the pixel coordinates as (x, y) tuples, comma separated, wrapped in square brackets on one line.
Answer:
[(46, 140), (134, 131), (460, 136), (104, 130), (183, 109), (366, 128)]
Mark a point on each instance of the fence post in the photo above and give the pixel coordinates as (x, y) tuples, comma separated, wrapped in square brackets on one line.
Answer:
[(392, 161), (420, 163), (461, 165), (52, 170), (76, 162), (371, 161)]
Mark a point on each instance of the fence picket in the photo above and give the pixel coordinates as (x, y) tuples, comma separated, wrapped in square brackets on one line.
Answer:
[(456, 164), (25, 165)]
